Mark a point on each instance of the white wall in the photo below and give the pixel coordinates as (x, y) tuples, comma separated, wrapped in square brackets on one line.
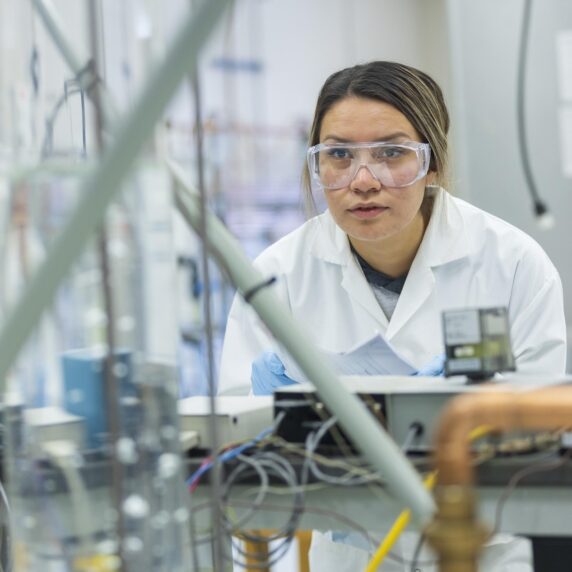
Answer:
[(485, 37), (300, 42)]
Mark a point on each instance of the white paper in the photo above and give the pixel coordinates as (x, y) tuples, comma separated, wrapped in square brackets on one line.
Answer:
[(372, 357)]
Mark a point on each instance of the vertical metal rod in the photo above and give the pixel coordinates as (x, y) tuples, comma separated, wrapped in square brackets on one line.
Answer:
[(111, 389), (83, 125), (215, 477)]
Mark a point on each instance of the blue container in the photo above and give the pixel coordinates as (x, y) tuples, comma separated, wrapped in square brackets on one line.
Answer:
[(84, 390)]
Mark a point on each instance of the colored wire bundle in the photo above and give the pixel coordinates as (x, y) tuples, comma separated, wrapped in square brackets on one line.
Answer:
[(312, 443), (228, 455), (266, 457), (264, 464)]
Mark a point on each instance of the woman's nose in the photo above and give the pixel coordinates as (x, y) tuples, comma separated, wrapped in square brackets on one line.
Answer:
[(364, 180)]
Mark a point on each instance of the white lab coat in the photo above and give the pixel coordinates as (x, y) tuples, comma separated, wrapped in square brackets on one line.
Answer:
[(468, 258), (503, 553)]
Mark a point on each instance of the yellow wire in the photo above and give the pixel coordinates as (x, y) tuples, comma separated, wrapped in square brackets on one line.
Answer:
[(479, 432), (398, 527), (403, 519)]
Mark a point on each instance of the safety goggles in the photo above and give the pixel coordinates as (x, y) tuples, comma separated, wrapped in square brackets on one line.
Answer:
[(335, 165)]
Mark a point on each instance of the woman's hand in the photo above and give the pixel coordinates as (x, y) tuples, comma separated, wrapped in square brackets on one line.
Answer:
[(268, 373), (434, 368)]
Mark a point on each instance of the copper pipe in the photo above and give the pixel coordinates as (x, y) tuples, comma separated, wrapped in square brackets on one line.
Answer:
[(500, 408), (455, 533)]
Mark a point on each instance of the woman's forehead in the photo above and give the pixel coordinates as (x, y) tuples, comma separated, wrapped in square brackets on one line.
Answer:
[(362, 119)]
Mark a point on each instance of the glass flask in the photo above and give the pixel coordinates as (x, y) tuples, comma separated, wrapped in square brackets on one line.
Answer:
[(93, 462)]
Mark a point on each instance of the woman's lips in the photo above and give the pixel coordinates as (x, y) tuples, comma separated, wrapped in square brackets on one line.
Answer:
[(367, 212)]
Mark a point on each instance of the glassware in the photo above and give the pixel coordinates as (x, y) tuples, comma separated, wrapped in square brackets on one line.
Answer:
[(92, 449)]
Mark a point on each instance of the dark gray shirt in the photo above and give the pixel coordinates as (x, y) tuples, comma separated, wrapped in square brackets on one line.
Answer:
[(385, 288)]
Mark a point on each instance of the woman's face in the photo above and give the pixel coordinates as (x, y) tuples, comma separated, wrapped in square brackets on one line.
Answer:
[(366, 210)]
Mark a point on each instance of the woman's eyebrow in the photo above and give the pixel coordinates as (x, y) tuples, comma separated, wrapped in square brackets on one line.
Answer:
[(396, 135), (388, 137)]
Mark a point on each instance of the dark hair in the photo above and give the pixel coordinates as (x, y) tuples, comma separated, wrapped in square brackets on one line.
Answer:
[(409, 90)]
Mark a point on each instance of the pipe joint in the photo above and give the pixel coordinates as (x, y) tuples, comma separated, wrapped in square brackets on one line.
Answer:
[(455, 533)]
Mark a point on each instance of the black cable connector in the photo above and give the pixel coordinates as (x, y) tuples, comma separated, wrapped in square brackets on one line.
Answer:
[(540, 208), (417, 428), (249, 294), (544, 217)]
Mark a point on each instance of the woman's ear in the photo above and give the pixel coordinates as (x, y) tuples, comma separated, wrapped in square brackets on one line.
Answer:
[(431, 177)]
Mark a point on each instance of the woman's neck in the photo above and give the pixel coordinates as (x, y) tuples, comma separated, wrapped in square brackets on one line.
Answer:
[(393, 255)]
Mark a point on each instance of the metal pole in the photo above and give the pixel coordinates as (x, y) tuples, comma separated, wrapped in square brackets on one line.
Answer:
[(215, 480), (104, 181), (111, 383), (365, 432)]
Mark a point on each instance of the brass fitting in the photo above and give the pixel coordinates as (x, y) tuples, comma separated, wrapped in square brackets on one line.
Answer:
[(455, 534)]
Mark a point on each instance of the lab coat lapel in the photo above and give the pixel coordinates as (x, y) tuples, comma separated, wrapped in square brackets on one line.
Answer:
[(445, 240), (416, 290), (357, 287), (331, 244)]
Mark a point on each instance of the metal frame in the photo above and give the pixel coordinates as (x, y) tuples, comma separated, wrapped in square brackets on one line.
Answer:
[(103, 182), (102, 185)]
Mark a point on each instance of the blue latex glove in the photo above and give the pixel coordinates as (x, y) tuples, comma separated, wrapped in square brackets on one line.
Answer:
[(434, 368), (268, 373)]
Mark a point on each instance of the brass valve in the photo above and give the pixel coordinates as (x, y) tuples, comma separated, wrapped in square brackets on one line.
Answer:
[(455, 534)]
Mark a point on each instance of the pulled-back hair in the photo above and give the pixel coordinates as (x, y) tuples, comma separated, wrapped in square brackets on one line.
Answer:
[(409, 90)]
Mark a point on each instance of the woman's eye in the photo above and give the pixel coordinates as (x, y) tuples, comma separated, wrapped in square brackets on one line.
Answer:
[(339, 153), (389, 153)]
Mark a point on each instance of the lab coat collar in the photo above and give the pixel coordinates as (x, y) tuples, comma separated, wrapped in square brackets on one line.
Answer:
[(331, 244), (445, 238)]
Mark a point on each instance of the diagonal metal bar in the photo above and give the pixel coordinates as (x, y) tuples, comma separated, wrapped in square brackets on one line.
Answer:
[(102, 184), (380, 450), (47, 12)]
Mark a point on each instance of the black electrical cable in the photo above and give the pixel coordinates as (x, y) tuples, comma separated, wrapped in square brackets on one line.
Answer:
[(35, 70), (415, 431), (264, 463), (312, 442), (282, 469), (549, 464), (71, 87), (540, 207), (83, 126), (47, 145), (417, 553)]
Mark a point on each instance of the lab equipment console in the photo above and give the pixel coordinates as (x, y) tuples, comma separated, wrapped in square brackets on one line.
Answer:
[(237, 417), (401, 404)]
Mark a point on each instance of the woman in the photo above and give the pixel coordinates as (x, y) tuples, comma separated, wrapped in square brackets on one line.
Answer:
[(394, 249)]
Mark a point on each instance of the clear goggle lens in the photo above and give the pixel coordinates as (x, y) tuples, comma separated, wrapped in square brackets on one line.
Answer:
[(335, 165)]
